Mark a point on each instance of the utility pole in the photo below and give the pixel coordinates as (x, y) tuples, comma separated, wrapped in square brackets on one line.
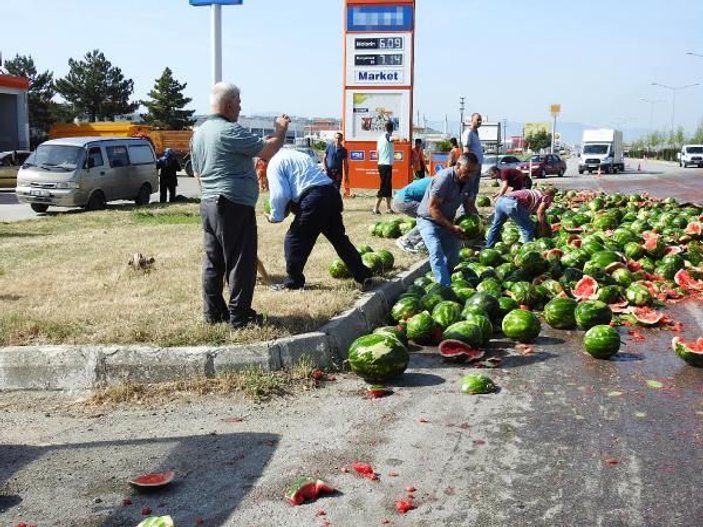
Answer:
[(461, 120), (673, 90)]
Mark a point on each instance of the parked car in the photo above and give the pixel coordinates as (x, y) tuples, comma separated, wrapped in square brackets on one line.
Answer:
[(503, 161), (690, 155), (13, 157), (544, 165), (88, 172)]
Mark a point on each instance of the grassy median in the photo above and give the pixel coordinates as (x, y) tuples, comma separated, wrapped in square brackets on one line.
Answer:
[(65, 279)]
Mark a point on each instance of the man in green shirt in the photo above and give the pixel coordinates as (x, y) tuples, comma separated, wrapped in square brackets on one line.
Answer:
[(223, 154)]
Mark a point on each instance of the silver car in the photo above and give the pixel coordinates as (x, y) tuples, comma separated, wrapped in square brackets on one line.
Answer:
[(502, 161)]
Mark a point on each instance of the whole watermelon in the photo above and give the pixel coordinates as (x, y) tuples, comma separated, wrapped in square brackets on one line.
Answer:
[(377, 357), (387, 259), (373, 261), (524, 293), (559, 313), (638, 294), (395, 331), (521, 325), (405, 308), (487, 302), (338, 269), (531, 261), (421, 328), (484, 323), (466, 332), (592, 313), (602, 341), (446, 313), (470, 224)]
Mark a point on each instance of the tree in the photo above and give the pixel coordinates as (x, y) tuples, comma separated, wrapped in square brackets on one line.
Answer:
[(698, 134), (41, 91), (538, 140), (95, 88), (165, 107)]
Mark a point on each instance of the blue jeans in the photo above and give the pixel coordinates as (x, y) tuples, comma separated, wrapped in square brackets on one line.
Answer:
[(510, 208), (443, 247)]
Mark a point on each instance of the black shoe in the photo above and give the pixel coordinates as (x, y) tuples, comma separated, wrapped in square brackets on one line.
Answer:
[(286, 287), (216, 320), (252, 320), (366, 285)]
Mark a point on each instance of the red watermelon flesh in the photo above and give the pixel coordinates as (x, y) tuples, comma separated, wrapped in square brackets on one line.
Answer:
[(554, 252), (619, 307), (585, 288), (673, 249), (458, 351), (647, 315), (694, 228), (307, 489), (685, 280), (376, 391)]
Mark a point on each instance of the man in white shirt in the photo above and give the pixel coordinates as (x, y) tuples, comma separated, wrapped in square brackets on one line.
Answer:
[(299, 185), (384, 148), (472, 144)]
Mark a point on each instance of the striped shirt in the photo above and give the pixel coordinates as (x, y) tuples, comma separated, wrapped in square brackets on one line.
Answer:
[(531, 199)]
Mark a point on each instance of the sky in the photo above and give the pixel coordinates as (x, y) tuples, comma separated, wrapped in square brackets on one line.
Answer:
[(510, 59)]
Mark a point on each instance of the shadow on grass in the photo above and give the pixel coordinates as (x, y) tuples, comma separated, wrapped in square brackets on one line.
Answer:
[(214, 473), (297, 323), (20, 234)]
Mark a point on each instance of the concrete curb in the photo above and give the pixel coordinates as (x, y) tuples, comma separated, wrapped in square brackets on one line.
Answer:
[(85, 367)]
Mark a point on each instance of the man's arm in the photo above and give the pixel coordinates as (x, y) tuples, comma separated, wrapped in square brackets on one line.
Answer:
[(541, 214), (274, 144), (324, 160), (345, 169), (439, 219), (196, 175), (502, 190), (279, 192)]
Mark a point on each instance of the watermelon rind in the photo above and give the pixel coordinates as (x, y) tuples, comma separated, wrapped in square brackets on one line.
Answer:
[(457, 351), (306, 488), (157, 521), (601, 341), (476, 383), (464, 331), (686, 351)]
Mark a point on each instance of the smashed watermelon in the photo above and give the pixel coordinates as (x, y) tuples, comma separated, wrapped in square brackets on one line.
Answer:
[(476, 383), (685, 280), (647, 316), (305, 489), (585, 288), (458, 351), (691, 352)]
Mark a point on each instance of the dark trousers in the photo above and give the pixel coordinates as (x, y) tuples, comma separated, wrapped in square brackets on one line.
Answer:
[(385, 189), (167, 185), (320, 212), (335, 174), (229, 244)]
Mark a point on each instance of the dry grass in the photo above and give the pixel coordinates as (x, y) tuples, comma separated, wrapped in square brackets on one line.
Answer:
[(65, 279), (254, 384)]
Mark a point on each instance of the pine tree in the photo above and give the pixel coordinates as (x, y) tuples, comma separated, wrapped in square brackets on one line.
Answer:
[(41, 91), (165, 107), (96, 88)]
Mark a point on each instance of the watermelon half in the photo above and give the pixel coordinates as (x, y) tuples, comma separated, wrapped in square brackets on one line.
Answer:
[(307, 488), (457, 351), (647, 316), (685, 280), (585, 288), (691, 352)]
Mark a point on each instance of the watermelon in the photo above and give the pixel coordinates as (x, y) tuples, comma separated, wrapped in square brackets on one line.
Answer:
[(377, 391), (378, 357), (524, 293), (638, 294), (363, 249), (307, 488), (421, 328), (622, 277), (610, 294), (466, 252), (486, 302), (373, 261), (592, 313), (531, 261), (602, 341), (505, 306), (458, 351), (647, 316), (389, 230), (476, 383), (654, 246), (694, 229), (691, 352), (483, 201), (633, 250), (684, 280), (160, 521), (491, 286), (387, 259), (466, 332), (585, 288), (338, 269), (396, 331), (405, 308), (605, 258), (484, 324), (559, 313), (490, 257), (521, 325), (446, 313), (471, 225)]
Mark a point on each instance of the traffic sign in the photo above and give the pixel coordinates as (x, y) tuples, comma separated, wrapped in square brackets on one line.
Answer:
[(555, 109)]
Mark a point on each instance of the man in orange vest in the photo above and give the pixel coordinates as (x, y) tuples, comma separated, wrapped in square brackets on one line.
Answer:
[(417, 160)]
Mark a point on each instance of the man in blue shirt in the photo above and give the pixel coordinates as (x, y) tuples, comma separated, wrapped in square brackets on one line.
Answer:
[(435, 215), (223, 163), (407, 200), (335, 161), (299, 185)]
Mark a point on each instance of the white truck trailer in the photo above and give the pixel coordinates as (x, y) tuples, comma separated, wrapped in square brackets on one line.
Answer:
[(601, 148)]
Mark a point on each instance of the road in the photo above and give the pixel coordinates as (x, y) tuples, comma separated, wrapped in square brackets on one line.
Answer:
[(660, 179)]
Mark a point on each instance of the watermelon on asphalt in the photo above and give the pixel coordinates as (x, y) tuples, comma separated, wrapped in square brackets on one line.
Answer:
[(684, 279), (446, 313), (647, 316), (421, 328), (592, 313), (155, 521), (405, 308), (602, 341), (307, 488), (521, 325), (638, 294), (691, 352), (476, 383), (458, 351), (483, 322), (559, 313), (465, 332), (377, 357)]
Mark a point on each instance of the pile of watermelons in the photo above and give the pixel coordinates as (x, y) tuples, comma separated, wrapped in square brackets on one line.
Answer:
[(394, 228), (612, 260), (380, 261)]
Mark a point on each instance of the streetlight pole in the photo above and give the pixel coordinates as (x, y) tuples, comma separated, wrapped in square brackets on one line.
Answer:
[(216, 42), (461, 120), (651, 102), (674, 89)]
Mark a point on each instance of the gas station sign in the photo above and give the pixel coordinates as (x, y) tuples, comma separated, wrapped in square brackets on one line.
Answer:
[(378, 86)]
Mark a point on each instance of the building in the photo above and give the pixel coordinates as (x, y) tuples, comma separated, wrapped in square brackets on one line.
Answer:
[(14, 113)]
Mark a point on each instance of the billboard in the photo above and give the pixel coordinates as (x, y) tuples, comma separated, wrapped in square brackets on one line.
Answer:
[(368, 111), (379, 59)]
